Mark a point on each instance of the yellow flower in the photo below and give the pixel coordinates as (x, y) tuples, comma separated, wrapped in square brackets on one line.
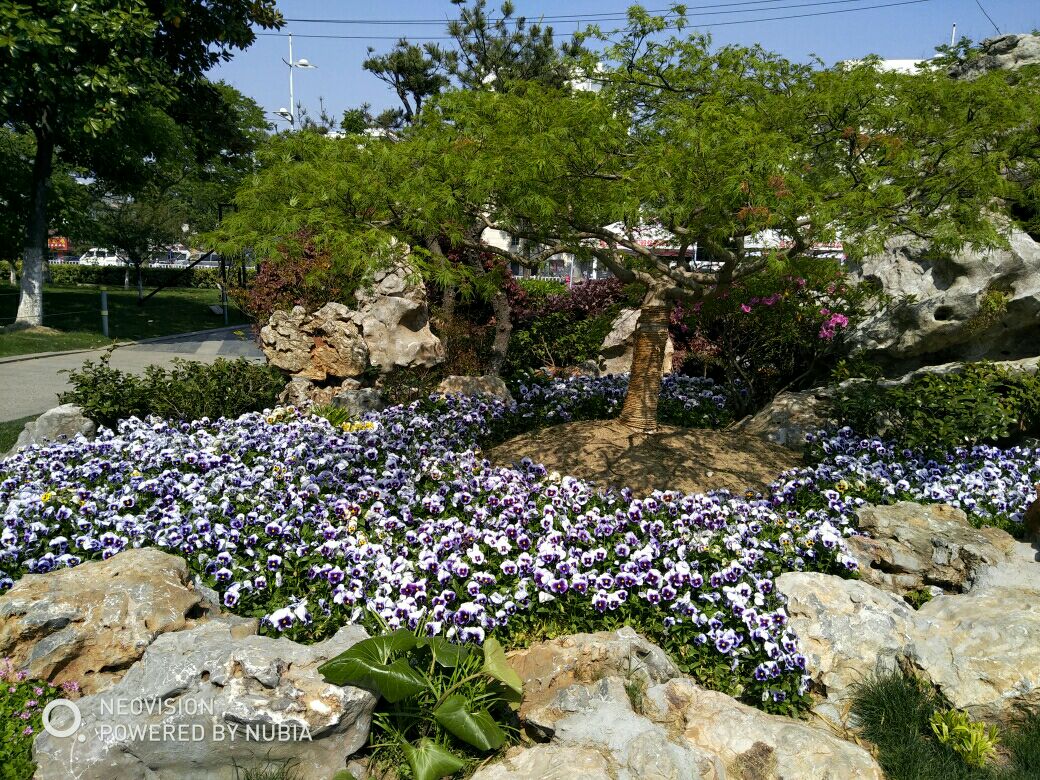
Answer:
[(842, 486), (47, 496)]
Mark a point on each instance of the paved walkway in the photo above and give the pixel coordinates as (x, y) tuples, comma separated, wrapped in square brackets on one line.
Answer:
[(30, 384)]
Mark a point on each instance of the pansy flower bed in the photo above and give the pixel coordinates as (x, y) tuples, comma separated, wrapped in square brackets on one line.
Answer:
[(399, 521)]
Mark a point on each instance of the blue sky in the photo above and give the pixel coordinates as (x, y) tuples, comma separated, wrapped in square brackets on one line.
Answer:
[(908, 31)]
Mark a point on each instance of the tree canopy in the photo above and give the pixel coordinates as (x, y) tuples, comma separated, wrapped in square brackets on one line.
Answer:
[(75, 71)]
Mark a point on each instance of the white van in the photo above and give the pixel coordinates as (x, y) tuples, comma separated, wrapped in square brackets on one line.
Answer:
[(96, 256)]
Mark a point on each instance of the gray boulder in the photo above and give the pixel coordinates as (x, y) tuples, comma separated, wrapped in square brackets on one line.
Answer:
[(616, 350), (981, 648), (790, 416), (62, 423), (910, 546), (358, 401), (475, 385), (1002, 52), (202, 702), (969, 306), (848, 631), (89, 623)]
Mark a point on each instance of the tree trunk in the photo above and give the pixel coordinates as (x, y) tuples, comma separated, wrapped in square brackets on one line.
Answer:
[(639, 411), (503, 331), (30, 305), (126, 277), (448, 303), (13, 273), (140, 284)]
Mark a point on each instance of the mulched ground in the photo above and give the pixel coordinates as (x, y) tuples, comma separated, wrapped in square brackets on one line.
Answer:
[(685, 459)]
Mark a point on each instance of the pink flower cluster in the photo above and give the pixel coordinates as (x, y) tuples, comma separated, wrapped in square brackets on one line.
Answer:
[(830, 326)]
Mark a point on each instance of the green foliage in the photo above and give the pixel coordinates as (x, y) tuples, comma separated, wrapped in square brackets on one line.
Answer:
[(556, 340), (918, 598), (336, 415), (940, 412), (439, 698), (187, 391), (404, 385), (541, 288), (21, 713), (899, 713), (974, 741)]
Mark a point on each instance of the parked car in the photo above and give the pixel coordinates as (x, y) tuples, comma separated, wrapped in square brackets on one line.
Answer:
[(98, 256)]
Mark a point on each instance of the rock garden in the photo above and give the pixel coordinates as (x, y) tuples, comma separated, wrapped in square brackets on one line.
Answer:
[(748, 509)]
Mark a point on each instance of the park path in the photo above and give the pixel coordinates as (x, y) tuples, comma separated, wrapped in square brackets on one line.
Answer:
[(30, 384)]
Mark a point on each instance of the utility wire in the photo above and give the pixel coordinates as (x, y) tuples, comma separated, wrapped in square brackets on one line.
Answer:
[(602, 16), (704, 24), (988, 16)]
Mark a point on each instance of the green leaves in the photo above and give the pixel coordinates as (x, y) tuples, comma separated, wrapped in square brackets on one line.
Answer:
[(497, 667), (365, 665), (430, 761), (474, 728), (433, 691)]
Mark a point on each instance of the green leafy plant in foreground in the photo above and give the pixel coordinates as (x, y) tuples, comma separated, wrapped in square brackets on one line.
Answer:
[(973, 741), (439, 698)]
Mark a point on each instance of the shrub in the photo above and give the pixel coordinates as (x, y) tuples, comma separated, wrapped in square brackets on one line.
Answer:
[(937, 413), (71, 275), (560, 328), (187, 391), (777, 328), (309, 279)]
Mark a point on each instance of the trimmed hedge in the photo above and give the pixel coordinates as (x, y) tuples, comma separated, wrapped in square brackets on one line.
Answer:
[(71, 275)]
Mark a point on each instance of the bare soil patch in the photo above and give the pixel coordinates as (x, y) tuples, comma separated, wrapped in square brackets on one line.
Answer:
[(685, 459)]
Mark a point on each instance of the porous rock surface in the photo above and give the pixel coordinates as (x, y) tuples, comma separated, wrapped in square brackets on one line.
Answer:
[(790, 417), (225, 702), (475, 385), (89, 623), (389, 329), (940, 304)]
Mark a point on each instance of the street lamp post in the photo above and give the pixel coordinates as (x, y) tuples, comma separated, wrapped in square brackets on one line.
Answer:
[(289, 114)]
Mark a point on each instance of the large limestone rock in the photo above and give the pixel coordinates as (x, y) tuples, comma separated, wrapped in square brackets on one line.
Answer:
[(1002, 52), (475, 385), (614, 704), (225, 702), (911, 546), (790, 417), (548, 762), (61, 423), (941, 302), (982, 648), (390, 329), (749, 743), (322, 346), (89, 623), (616, 350), (848, 631), (359, 401), (549, 667), (395, 320)]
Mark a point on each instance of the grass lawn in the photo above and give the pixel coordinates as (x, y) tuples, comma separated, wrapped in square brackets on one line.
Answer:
[(9, 432), (76, 312)]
